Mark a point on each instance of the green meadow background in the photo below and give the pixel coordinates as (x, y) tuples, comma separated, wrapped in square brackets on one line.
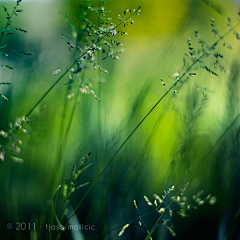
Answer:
[(163, 152)]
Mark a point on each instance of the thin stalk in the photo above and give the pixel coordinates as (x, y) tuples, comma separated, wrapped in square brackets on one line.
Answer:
[(65, 139), (62, 143), (58, 166), (100, 160)]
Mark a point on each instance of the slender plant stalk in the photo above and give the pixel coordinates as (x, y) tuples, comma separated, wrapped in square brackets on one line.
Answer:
[(57, 172), (100, 160), (58, 167), (63, 140), (65, 137)]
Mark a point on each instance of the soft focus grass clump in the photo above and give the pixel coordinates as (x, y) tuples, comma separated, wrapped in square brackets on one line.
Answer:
[(189, 136)]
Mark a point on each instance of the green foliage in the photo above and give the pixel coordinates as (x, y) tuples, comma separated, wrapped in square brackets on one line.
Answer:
[(90, 45)]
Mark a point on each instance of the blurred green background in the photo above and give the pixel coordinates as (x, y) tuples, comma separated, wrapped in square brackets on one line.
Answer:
[(163, 152)]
